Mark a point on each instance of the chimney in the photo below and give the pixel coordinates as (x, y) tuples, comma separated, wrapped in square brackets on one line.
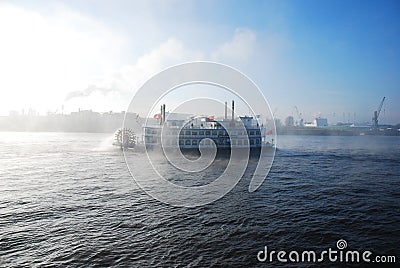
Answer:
[(233, 110), (163, 115), (226, 110)]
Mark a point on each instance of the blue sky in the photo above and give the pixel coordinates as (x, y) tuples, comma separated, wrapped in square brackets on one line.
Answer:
[(336, 59)]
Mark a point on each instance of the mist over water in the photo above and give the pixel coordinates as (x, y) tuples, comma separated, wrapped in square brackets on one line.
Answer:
[(68, 199)]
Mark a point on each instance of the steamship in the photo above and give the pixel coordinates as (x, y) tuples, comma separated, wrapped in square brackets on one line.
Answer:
[(205, 132)]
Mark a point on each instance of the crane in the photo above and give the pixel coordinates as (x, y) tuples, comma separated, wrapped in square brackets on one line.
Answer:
[(299, 120), (376, 115)]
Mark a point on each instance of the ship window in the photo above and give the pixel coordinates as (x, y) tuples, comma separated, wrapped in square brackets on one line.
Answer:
[(187, 142), (258, 132), (239, 142), (208, 133), (180, 142), (194, 133), (221, 132), (251, 133), (154, 132), (258, 141), (233, 142), (201, 133), (214, 132), (187, 132), (251, 141), (245, 142), (194, 142)]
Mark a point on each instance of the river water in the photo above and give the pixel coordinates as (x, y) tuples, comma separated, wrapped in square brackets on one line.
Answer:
[(68, 199)]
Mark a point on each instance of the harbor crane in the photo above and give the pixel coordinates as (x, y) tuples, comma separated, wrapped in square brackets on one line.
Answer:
[(376, 115), (299, 119)]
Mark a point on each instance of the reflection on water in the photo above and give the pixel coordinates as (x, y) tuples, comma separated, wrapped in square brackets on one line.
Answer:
[(68, 199)]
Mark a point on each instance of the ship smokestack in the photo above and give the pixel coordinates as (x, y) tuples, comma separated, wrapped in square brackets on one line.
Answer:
[(226, 110), (163, 115), (233, 110)]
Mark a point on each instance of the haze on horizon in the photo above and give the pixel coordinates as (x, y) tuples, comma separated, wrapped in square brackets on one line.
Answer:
[(334, 59)]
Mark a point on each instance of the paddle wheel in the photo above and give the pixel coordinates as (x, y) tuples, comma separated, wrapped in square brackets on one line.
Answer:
[(125, 138)]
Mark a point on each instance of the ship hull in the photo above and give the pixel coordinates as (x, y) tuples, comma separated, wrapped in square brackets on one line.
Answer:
[(225, 152)]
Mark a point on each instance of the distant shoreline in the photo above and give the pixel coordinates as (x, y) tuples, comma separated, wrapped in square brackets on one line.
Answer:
[(88, 121), (332, 131), (316, 132)]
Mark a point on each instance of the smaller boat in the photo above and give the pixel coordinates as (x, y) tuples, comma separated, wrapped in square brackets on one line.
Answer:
[(125, 138)]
